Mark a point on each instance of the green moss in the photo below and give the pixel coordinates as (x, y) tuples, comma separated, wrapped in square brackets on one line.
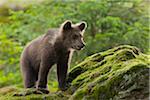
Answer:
[(121, 73), (105, 71), (21, 94)]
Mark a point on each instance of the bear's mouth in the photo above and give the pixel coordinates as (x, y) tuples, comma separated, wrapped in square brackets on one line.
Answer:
[(77, 47)]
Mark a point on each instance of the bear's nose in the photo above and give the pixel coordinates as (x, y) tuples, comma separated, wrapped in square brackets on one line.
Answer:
[(82, 45)]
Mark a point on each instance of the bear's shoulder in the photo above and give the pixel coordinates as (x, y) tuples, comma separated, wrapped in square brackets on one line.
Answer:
[(51, 36)]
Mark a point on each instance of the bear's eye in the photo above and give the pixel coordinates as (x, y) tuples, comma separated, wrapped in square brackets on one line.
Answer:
[(75, 37)]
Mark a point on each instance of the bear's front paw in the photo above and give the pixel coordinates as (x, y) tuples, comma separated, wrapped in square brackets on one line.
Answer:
[(42, 91), (64, 87)]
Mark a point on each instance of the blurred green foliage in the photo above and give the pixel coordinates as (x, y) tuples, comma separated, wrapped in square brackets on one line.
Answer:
[(9, 60), (110, 23)]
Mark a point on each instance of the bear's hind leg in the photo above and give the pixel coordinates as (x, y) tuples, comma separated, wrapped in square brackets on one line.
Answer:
[(29, 75), (30, 79)]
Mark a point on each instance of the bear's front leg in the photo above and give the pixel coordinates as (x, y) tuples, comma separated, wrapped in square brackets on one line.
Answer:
[(42, 78), (47, 60), (62, 67), (45, 66)]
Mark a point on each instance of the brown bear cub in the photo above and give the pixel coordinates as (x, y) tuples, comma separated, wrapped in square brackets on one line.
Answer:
[(54, 47)]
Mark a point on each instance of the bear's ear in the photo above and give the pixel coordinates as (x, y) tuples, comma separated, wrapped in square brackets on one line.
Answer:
[(82, 26), (67, 25)]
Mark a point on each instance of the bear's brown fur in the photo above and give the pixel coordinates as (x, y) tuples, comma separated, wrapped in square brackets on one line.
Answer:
[(55, 46)]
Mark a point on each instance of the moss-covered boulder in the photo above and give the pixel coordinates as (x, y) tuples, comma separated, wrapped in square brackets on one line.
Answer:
[(121, 73)]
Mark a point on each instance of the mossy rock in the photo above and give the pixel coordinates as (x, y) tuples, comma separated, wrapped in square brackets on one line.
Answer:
[(121, 73)]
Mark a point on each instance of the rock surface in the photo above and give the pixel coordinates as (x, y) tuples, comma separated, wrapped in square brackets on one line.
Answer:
[(121, 73)]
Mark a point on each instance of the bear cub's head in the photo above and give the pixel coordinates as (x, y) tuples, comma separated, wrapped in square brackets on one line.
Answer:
[(73, 34)]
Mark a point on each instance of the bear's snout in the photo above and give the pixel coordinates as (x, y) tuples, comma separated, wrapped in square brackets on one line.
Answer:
[(81, 46)]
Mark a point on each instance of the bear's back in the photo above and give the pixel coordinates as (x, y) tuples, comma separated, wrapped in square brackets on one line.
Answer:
[(33, 49), (46, 39)]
